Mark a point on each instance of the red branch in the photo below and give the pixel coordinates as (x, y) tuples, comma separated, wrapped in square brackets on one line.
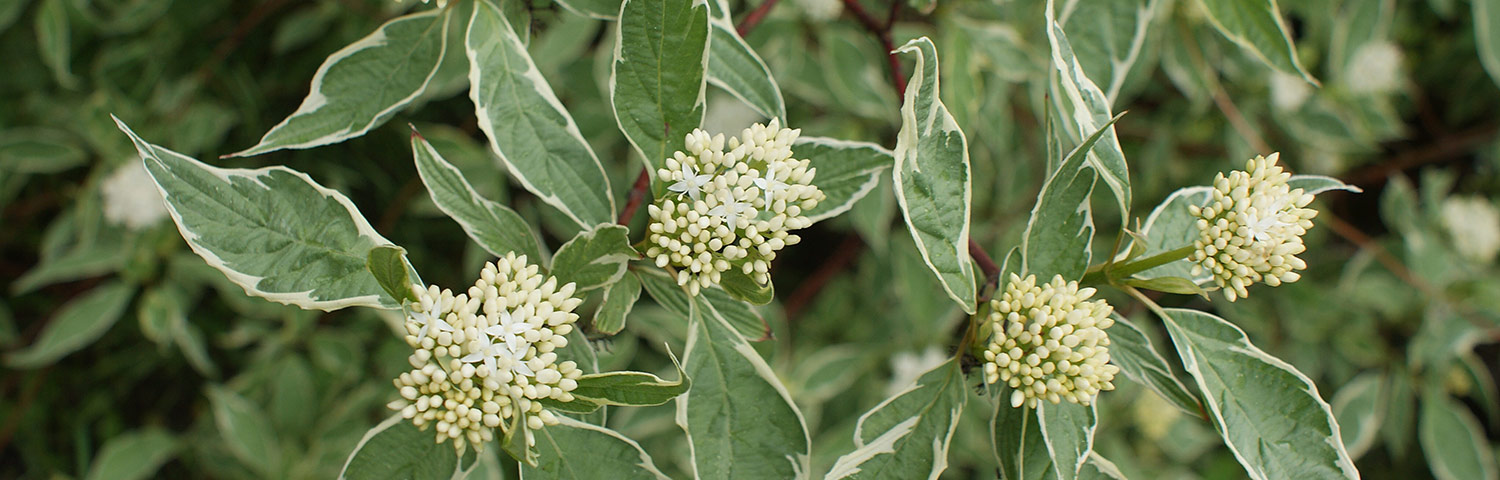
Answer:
[(755, 17), (637, 194), (883, 33)]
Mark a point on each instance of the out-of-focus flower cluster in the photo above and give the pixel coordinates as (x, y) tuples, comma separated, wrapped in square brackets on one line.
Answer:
[(1048, 342), (489, 355), (730, 209), (1251, 230)]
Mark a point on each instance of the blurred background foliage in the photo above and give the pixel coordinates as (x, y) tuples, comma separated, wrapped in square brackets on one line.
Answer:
[(127, 357)]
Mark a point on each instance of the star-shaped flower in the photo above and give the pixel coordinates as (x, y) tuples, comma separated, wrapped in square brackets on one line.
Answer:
[(730, 211), (692, 183), (512, 333), (431, 318), (769, 183), (485, 351)]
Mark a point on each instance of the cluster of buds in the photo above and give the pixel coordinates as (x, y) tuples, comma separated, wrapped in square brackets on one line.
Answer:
[(1251, 230), (487, 356), (730, 209), (1048, 342)]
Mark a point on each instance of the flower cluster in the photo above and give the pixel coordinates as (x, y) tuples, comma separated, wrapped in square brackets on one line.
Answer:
[(488, 355), (1048, 342), (1251, 230), (131, 198), (730, 209)]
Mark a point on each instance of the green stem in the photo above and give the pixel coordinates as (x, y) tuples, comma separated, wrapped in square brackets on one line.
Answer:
[(1150, 262)]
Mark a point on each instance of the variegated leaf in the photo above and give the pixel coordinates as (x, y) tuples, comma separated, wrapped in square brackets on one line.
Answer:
[(1086, 109), (908, 435), (847, 171)]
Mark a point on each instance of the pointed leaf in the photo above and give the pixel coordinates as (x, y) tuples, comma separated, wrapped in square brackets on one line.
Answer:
[(1132, 350), (360, 86), (77, 324), (594, 258), (1089, 111), (619, 299), (1270, 415), (388, 264), (1108, 37), (495, 227), (908, 435), (273, 231), (246, 431), (630, 388), (54, 41), (740, 420), (528, 127), (847, 171), (657, 78), (932, 178), (580, 451), (736, 68), (1060, 234), (1256, 26), (397, 449)]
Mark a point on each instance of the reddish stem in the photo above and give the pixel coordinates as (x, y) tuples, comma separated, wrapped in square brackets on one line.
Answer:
[(986, 264), (883, 33), (755, 17), (637, 194)]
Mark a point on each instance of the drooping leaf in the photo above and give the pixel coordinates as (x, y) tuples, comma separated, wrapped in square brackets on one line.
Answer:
[(736, 68), (77, 324), (360, 86), (1132, 350), (932, 178), (1269, 414), (273, 231), (246, 431), (1453, 441), (908, 434), (397, 449), (1068, 432), (1359, 408), (1059, 236), (388, 264), (133, 456), (658, 75), (847, 171), (528, 127), (619, 299), (1256, 26), (738, 314), (580, 451), (1085, 110), (740, 420), (594, 258), (495, 227)]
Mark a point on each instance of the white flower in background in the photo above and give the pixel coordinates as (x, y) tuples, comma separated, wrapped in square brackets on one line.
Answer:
[(752, 197), (1474, 225), (1374, 68), (1048, 342), (906, 367), (1251, 230), (496, 358), (131, 198), (821, 10), (1288, 92)]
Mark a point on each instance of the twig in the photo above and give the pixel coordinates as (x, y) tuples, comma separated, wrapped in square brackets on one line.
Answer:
[(755, 17), (883, 33), (637, 194), (986, 264), (1444, 148)]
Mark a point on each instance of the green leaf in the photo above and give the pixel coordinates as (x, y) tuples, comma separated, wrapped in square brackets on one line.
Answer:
[(1068, 431), (847, 171), (273, 231), (743, 287), (1453, 441), (1269, 414), (597, 9), (160, 310), (594, 258), (740, 420), (1099, 468), (736, 68), (1131, 350), (1487, 35), (738, 314), (619, 298), (658, 75), (527, 125), (1089, 113), (397, 449), (134, 455), (92, 259), (576, 450), (630, 388), (77, 324), (1017, 435), (932, 178), (1359, 408), (1256, 26), (10, 11), (39, 150), (293, 390), (246, 431), (495, 227), (908, 435), (1108, 37), (388, 264), (1060, 234), (360, 86), (54, 41)]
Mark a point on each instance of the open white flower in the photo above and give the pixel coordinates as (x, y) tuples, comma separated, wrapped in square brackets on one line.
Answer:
[(489, 355), (1048, 342), (752, 198), (1251, 230)]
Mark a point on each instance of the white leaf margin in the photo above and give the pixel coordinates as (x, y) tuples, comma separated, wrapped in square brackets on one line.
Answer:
[(614, 67), (1073, 85), (849, 463), (645, 460), (725, 25), (865, 188), (247, 281)]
